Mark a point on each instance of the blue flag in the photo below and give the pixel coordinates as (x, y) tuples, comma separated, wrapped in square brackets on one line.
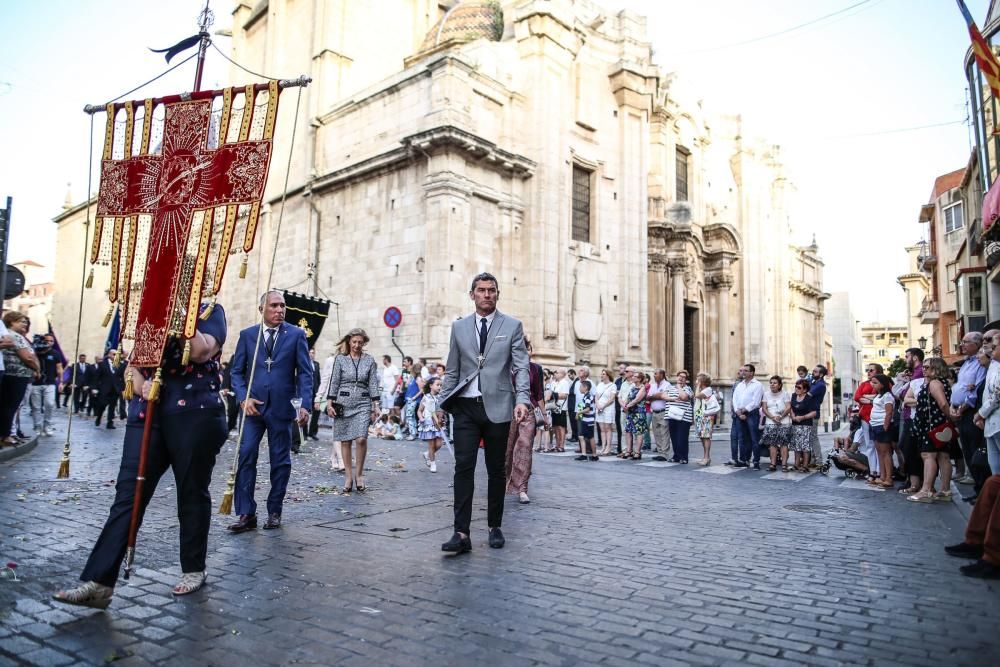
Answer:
[(114, 333)]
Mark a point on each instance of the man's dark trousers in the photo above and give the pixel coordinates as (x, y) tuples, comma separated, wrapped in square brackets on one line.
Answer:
[(188, 442), (970, 436), (749, 437), (471, 424)]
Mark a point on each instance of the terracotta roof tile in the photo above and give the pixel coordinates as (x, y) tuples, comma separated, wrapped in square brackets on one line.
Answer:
[(946, 182)]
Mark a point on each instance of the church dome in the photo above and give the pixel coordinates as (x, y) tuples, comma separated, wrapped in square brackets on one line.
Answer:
[(467, 21)]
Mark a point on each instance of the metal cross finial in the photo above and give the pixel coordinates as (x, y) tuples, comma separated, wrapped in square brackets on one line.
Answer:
[(206, 18)]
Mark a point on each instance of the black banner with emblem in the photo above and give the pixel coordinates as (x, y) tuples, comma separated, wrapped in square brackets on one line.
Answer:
[(306, 312)]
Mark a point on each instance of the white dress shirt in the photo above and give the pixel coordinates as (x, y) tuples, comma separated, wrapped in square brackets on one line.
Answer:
[(747, 395), (472, 389)]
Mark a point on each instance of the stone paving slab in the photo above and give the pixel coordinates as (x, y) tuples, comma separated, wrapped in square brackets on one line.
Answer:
[(608, 565)]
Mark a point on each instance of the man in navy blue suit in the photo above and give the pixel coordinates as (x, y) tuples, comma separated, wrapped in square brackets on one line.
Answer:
[(283, 371)]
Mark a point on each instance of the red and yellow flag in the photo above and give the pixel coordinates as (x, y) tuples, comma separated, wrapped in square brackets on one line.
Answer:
[(985, 57)]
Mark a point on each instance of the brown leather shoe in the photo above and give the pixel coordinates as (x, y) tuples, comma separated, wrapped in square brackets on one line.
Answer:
[(246, 522), (273, 521)]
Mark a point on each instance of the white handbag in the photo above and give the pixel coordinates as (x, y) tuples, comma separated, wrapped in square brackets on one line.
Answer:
[(675, 411), (711, 406)]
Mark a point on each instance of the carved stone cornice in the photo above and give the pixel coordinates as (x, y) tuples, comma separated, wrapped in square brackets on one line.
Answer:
[(479, 150)]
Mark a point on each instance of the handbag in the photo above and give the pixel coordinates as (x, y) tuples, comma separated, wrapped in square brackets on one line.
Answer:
[(675, 411), (539, 416), (711, 406), (942, 435), (338, 409)]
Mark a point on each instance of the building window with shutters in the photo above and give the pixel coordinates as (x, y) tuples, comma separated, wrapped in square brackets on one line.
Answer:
[(581, 204), (682, 158)]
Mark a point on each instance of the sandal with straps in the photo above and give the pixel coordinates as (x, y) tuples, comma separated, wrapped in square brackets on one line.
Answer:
[(89, 594), (189, 583)]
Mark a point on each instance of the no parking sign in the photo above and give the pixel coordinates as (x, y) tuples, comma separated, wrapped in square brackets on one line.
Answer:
[(392, 317)]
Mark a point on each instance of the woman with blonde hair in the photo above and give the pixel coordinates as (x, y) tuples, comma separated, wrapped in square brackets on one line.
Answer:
[(705, 410), (354, 403), (604, 400)]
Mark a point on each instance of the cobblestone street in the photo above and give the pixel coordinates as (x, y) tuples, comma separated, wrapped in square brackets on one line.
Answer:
[(612, 563)]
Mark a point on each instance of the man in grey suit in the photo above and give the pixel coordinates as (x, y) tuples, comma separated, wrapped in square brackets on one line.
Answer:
[(485, 383)]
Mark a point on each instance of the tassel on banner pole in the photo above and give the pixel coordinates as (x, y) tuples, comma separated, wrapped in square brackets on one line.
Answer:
[(107, 317), (90, 278), (64, 464), (129, 392), (205, 314), (243, 266), (186, 356), (154, 390)]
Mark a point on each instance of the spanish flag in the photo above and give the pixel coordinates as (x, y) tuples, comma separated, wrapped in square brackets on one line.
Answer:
[(985, 58)]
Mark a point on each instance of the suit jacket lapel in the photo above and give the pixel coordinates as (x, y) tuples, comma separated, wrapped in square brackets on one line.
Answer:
[(474, 332), (494, 330)]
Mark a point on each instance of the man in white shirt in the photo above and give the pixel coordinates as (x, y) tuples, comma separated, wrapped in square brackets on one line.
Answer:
[(745, 433), (658, 405), (390, 384)]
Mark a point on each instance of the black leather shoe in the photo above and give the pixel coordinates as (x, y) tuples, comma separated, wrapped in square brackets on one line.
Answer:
[(756, 465), (965, 550), (981, 570), (581, 457), (457, 544), (273, 521), (659, 458), (741, 464), (244, 523), (496, 538)]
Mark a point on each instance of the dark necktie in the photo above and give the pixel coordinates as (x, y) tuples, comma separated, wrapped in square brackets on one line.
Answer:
[(482, 335), (269, 342)]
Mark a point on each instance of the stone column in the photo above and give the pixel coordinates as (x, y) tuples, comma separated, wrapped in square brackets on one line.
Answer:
[(722, 300), (677, 317)]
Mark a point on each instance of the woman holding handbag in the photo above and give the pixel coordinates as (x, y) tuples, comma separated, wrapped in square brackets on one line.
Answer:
[(605, 397), (706, 407), (354, 403), (777, 408), (934, 432)]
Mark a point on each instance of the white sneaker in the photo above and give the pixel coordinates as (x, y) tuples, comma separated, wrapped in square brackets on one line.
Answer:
[(434, 466), (965, 479), (50, 431), (427, 461), (523, 498)]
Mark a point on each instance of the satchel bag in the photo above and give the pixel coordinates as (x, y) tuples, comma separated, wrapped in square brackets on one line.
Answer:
[(942, 435), (675, 411), (711, 406)]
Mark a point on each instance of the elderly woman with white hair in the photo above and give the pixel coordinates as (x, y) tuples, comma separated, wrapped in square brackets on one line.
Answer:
[(354, 403)]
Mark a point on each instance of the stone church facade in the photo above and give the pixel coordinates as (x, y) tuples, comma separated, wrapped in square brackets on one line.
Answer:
[(536, 139)]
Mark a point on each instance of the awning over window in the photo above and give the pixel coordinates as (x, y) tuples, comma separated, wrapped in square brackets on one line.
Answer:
[(991, 206)]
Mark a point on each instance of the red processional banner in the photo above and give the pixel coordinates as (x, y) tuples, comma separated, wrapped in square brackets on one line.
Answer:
[(181, 186)]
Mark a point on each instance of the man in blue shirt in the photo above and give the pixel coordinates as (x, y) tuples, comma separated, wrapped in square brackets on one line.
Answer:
[(964, 401)]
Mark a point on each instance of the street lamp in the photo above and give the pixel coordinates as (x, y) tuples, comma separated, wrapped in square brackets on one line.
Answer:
[(922, 342)]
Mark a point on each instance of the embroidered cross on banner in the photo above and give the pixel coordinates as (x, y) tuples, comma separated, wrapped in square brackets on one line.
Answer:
[(159, 210)]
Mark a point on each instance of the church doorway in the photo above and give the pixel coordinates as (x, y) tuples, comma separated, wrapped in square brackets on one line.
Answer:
[(691, 336)]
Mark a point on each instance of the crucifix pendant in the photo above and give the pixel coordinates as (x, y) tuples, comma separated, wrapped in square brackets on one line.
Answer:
[(481, 359), (268, 361)]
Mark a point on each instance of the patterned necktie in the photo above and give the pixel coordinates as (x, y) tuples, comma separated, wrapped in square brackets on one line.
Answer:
[(269, 342), (482, 335)]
